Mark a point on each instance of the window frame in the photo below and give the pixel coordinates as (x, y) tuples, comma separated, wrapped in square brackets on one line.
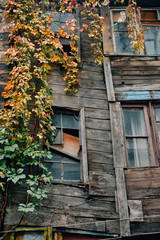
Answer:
[(83, 147), (151, 129), (143, 51), (65, 41)]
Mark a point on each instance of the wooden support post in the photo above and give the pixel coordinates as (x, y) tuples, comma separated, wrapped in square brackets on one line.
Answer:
[(84, 148), (119, 164), (108, 80), (108, 47)]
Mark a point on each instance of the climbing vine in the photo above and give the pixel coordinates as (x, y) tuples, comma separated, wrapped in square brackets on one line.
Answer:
[(26, 118)]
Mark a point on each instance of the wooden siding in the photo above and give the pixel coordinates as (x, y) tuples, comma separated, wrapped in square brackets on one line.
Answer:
[(131, 74), (144, 184), (78, 206)]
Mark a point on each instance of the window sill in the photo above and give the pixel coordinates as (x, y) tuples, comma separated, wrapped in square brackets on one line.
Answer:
[(78, 184)]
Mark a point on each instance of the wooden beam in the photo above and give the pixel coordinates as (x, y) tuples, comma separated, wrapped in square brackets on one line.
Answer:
[(108, 47), (84, 148), (119, 164), (108, 80)]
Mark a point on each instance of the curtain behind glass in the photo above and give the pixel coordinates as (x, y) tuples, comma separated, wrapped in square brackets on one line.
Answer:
[(136, 138)]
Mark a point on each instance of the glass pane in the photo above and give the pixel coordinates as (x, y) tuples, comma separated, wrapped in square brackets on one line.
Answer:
[(69, 160), (152, 39), (70, 121), (33, 236), (157, 112), (134, 122), (58, 136), (123, 43), (57, 119), (119, 16), (138, 152), (158, 131), (55, 169), (122, 26), (71, 171), (56, 157)]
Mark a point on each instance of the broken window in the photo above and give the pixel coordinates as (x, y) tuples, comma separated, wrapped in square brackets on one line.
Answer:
[(150, 21), (142, 134), (68, 156), (59, 20)]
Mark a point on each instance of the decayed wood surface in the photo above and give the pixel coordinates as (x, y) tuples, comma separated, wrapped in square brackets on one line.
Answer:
[(79, 206), (119, 164), (144, 185), (133, 74)]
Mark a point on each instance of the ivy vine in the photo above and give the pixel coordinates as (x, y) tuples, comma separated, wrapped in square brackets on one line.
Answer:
[(34, 49)]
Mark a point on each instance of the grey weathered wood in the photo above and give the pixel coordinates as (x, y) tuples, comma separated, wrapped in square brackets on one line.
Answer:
[(119, 163), (78, 34), (84, 148), (108, 80), (117, 135), (122, 202), (107, 34)]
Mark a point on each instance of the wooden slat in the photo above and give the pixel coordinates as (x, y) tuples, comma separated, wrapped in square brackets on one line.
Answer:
[(119, 163), (138, 95), (107, 34), (84, 148), (108, 80)]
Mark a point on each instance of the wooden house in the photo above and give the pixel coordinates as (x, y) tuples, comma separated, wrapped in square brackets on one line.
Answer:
[(106, 154)]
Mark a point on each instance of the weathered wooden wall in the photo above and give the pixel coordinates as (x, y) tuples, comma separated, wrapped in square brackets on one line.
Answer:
[(88, 208), (144, 185), (135, 74)]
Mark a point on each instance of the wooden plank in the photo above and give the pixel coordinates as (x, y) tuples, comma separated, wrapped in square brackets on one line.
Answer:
[(98, 134), (119, 163), (108, 80), (122, 202), (137, 63), (98, 124), (142, 173), (138, 87), (102, 184), (117, 135), (138, 95), (99, 146), (112, 226), (100, 157), (84, 148), (97, 113), (107, 34)]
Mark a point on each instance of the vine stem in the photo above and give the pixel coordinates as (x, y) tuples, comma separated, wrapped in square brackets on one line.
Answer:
[(4, 205), (19, 219)]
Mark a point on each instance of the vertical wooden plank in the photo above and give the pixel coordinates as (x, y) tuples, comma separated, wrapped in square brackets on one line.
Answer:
[(84, 148), (117, 135), (108, 80), (122, 203), (119, 164), (108, 47), (78, 34)]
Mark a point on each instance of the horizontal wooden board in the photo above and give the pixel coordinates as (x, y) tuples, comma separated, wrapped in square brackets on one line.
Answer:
[(100, 157), (99, 146), (97, 113), (98, 134), (97, 124), (138, 95)]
